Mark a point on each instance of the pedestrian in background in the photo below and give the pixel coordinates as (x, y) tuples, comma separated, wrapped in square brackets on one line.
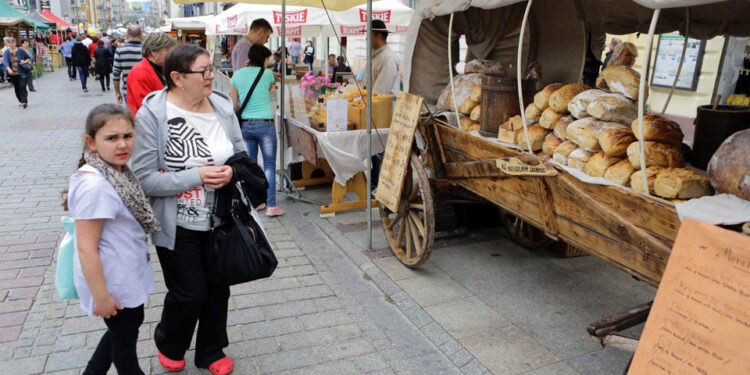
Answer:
[(66, 49), (260, 31), (81, 60), (111, 267), (13, 58), (258, 128), (295, 49), (310, 54), (608, 56), (26, 47), (102, 57), (126, 57), (185, 134), (147, 76)]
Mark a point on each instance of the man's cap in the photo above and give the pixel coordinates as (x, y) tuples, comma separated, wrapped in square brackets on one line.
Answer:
[(379, 26)]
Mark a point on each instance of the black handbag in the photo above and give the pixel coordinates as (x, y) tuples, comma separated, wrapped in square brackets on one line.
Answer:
[(238, 251), (249, 94), (27, 67)]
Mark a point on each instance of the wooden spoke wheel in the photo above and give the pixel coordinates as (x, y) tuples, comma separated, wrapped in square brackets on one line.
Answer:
[(523, 233), (411, 230)]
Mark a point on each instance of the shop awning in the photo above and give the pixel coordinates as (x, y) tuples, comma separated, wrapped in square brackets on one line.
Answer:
[(335, 5), (7, 11), (37, 17), (55, 19)]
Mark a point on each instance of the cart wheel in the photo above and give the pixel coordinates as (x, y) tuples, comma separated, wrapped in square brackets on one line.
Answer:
[(523, 233), (411, 230)]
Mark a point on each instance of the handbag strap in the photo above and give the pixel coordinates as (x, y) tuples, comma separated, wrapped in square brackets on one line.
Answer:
[(250, 92)]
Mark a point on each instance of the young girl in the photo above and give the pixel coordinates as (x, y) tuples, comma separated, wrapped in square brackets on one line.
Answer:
[(113, 276)]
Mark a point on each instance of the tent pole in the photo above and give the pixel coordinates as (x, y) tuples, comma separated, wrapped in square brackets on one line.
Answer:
[(369, 124), (641, 94), (282, 84), (519, 73)]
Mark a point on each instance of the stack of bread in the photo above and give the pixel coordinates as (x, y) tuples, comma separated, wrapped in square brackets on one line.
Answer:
[(595, 131), (471, 110), (550, 106)]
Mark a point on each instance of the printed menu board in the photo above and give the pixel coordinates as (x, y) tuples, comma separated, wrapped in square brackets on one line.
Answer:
[(667, 60), (700, 321)]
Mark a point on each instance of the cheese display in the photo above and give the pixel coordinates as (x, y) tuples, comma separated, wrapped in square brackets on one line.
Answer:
[(729, 168)]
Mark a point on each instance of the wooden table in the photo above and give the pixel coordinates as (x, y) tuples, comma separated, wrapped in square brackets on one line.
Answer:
[(304, 141)]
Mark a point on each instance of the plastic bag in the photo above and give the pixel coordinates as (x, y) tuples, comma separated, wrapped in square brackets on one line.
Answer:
[(64, 283), (463, 85)]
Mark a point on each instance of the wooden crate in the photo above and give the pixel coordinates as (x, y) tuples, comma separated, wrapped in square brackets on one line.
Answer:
[(382, 111)]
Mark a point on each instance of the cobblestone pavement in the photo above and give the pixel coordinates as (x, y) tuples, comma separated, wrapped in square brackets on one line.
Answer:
[(319, 313)]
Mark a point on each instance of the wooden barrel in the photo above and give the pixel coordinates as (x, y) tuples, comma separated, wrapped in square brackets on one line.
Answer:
[(712, 127), (500, 101)]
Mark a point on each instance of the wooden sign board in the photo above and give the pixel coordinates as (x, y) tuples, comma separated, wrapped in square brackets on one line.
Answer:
[(517, 167), (398, 149), (700, 320)]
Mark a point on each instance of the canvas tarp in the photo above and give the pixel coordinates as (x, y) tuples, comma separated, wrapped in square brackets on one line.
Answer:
[(336, 5), (557, 29)]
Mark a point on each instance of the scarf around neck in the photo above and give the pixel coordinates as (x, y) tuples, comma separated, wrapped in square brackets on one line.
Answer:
[(129, 190)]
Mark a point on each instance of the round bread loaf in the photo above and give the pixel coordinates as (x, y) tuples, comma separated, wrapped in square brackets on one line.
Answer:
[(659, 129), (541, 98), (729, 168), (559, 100)]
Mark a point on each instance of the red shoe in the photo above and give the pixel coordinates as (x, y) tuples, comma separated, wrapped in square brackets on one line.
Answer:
[(223, 366), (171, 364)]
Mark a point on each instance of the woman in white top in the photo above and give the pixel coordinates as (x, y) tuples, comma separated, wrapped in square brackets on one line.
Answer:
[(111, 266), (185, 134)]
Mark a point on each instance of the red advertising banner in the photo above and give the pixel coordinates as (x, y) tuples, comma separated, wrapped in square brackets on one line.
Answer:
[(353, 30), (291, 17), (290, 31), (384, 15)]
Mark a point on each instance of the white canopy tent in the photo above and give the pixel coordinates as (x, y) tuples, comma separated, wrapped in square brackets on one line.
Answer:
[(188, 23), (310, 21)]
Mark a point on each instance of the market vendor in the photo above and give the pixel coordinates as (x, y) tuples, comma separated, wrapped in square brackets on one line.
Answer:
[(624, 54), (385, 65)]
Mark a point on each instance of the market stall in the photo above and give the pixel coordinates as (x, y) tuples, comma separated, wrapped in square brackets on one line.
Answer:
[(189, 29), (562, 159), (16, 24)]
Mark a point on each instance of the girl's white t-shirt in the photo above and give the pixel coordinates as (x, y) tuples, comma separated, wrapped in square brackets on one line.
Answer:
[(195, 139), (123, 247)]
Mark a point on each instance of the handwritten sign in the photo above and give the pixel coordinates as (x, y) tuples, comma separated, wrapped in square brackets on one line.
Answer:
[(517, 167), (398, 149), (700, 320)]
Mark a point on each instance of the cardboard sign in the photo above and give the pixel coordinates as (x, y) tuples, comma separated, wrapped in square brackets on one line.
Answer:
[(398, 149), (337, 115), (700, 321), (516, 167)]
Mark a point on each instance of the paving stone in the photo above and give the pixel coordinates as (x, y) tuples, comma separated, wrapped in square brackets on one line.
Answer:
[(68, 342), (14, 306), (82, 324), (288, 309), (341, 350), (466, 317), (245, 316), (259, 299), (286, 360), (12, 319), (31, 365), (306, 293), (252, 348), (69, 359), (324, 319), (436, 333), (475, 368), (508, 350), (328, 368), (371, 362), (311, 338), (272, 328), (456, 352), (22, 353)]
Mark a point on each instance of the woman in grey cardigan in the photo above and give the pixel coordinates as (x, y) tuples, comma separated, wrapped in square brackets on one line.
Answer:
[(184, 134)]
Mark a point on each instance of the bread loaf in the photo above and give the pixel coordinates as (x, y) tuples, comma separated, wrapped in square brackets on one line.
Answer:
[(549, 118), (562, 151), (615, 142), (585, 132), (598, 164), (532, 112), (659, 129), (467, 106), (476, 113), (541, 98), (620, 172), (659, 154), (561, 126), (620, 79), (508, 132), (476, 94), (577, 106), (578, 158), (536, 135), (729, 168), (467, 125), (682, 183), (559, 100), (613, 107), (550, 144), (636, 180)]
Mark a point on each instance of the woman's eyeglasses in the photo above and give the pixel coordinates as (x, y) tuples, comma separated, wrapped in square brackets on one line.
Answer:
[(207, 73)]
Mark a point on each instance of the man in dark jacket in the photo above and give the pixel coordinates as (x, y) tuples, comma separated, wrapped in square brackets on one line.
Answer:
[(81, 60)]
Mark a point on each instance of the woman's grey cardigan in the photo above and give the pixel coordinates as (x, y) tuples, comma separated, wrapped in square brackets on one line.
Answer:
[(160, 183)]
